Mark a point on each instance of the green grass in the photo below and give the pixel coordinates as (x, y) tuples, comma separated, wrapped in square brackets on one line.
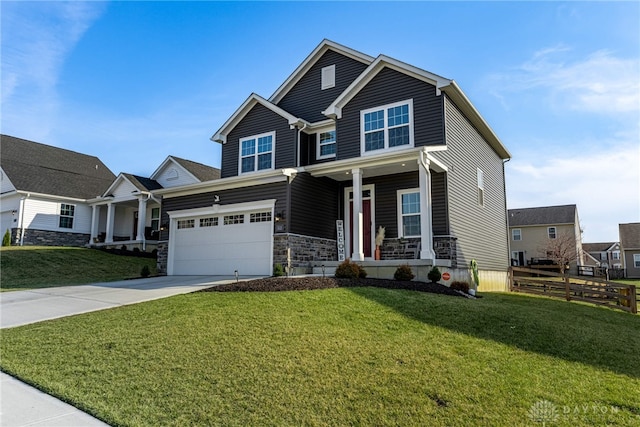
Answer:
[(360, 356), (33, 267)]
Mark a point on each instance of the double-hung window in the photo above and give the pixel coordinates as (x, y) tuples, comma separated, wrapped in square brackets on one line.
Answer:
[(551, 232), (387, 127), (66, 215), (409, 213), (636, 260), (256, 152), (516, 234), (326, 144), (155, 219)]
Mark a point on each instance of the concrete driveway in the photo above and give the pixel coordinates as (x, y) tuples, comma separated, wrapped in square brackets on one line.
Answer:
[(22, 404), (23, 307)]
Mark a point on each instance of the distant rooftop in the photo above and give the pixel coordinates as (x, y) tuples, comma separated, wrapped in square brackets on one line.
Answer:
[(547, 215), (630, 235)]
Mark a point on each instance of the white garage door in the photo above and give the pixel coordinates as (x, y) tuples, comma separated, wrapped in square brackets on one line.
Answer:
[(219, 244)]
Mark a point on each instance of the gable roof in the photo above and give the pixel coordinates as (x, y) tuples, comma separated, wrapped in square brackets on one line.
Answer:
[(44, 169), (310, 60), (548, 215), (597, 247), (442, 84), (629, 235), (200, 171), (247, 105), (142, 183)]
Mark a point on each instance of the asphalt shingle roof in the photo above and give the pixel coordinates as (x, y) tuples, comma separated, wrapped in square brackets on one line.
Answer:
[(547, 215), (597, 247), (200, 171), (630, 235), (40, 168), (142, 183)]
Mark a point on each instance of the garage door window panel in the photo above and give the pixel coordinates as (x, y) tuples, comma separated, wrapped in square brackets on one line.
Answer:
[(233, 219), (186, 223), (260, 217), (209, 222)]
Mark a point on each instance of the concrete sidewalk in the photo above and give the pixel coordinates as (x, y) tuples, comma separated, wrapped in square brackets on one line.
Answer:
[(23, 405)]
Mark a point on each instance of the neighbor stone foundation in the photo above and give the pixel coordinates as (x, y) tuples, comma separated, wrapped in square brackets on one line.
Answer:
[(48, 238), (305, 251)]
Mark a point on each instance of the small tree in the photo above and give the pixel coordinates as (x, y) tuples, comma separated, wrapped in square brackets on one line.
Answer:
[(561, 250), (6, 239), (404, 273), (145, 272)]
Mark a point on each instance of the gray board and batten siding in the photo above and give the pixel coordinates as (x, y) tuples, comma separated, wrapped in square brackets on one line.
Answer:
[(467, 151), (260, 120), (307, 100), (387, 87)]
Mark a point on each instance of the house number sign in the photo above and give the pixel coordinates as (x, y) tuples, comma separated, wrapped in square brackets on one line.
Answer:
[(340, 239)]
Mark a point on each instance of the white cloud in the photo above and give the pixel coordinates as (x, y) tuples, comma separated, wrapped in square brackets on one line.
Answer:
[(36, 39), (604, 184), (599, 83)]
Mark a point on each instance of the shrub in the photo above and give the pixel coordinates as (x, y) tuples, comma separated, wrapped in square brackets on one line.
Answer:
[(145, 271), (460, 286), (6, 239), (434, 274), (278, 270), (350, 270), (403, 272)]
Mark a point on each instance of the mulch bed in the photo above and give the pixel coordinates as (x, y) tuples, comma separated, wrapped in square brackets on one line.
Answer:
[(274, 284)]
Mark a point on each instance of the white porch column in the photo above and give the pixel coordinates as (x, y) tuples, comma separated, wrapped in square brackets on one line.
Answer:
[(358, 247), (95, 219), (111, 213), (142, 217), (426, 224)]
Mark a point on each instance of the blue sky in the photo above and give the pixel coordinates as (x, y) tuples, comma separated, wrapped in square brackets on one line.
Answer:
[(133, 82)]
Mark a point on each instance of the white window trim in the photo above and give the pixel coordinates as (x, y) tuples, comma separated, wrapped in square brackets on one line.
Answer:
[(384, 108), (513, 234), (326, 156), (255, 155), (481, 192), (636, 260), (399, 208), (73, 217), (615, 255), (328, 77), (555, 232)]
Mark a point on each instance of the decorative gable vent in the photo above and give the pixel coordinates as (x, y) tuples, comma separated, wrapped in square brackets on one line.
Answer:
[(328, 77), (172, 174)]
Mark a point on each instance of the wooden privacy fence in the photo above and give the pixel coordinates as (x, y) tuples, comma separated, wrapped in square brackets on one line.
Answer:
[(592, 290)]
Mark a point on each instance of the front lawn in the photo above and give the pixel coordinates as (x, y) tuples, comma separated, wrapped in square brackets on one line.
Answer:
[(343, 356), (33, 267)]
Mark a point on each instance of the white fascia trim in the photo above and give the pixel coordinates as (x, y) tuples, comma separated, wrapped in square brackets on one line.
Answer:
[(311, 59), (378, 159), (51, 196), (464, 104), (335, 109), (115, 183), (247, 105), (175, 162), (223, 209), (247, 180)]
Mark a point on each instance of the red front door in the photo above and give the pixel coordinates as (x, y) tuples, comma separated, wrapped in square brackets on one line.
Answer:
[(366, 226)]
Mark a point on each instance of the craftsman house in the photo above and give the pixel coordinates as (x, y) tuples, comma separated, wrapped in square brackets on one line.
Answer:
[(128, 214), (347, 144), (45, 191), (537, 232)]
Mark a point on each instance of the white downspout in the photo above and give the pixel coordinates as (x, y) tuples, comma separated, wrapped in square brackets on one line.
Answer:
[(304, 126), (23, 204)]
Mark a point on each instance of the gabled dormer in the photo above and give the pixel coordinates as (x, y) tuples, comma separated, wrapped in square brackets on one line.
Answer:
[(259, 137), (328, 70), (175, 171)]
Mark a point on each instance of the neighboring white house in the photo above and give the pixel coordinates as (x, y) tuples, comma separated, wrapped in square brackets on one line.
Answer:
[(44, 192), (127, 213)]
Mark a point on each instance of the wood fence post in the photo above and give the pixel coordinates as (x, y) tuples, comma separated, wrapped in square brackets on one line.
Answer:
[(510, 275), (633, 304), (567, 294)]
